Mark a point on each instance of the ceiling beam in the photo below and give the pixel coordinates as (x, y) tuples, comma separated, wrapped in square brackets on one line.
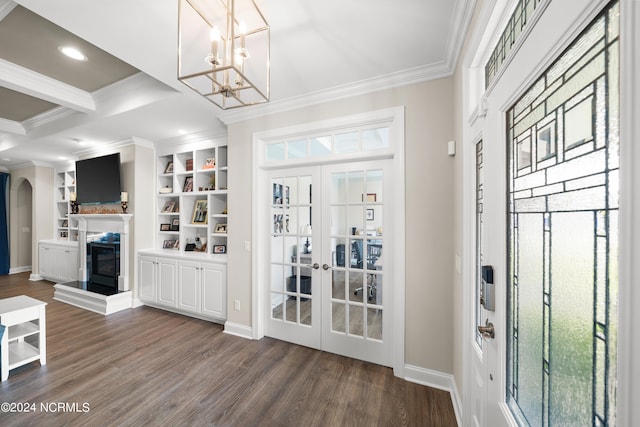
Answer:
[(6, 6), (38, 85), (12, 127)]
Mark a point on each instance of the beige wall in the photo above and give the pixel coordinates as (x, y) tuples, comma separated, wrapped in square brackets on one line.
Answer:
[(429, 210), (142, 203), (41, 179)]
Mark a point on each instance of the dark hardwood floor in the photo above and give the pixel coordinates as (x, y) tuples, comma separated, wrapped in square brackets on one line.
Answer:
[(150, 367)]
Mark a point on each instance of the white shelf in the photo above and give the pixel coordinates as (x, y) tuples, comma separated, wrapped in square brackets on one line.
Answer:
[(21, 353), (23, 330), (209, 184)]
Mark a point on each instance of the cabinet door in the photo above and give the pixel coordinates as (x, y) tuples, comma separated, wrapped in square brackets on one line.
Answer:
[(69, 264), (214, 286), (166, 281), (56, 260), (189, 286), (147, 278), (45, 261)]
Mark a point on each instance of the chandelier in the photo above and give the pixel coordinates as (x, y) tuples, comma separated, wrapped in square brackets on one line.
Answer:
[(223, 51)]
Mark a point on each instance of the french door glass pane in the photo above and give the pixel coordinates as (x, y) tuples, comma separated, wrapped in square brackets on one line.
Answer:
[(356, 239), (291, 248)]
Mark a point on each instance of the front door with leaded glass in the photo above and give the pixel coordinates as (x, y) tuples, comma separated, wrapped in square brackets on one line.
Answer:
[(563, 161), (550, 229)]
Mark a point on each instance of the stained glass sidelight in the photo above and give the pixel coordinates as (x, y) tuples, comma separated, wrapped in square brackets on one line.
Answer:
[(563, 227), (479, 229)]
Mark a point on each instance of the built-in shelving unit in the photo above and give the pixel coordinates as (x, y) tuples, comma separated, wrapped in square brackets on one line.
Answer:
[(192, 200), (66, 229)]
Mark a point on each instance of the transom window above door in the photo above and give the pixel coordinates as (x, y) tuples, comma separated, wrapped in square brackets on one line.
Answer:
[(335, 145)]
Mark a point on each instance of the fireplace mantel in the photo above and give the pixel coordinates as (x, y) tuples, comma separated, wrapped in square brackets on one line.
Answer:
[(115, 223)]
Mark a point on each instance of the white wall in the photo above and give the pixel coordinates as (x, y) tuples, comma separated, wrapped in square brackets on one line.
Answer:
[(429, 210)]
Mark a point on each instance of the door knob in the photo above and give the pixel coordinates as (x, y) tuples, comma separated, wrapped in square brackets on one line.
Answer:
[(316, 266), (325, 267), (487, 331)]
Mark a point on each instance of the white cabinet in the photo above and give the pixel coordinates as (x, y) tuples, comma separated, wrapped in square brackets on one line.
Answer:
[(58, 260), (189, 286), (193, 287), (214, 290), (147, 279), (157, 280)]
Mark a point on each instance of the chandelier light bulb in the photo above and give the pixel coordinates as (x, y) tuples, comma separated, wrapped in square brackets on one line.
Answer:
[(214, 36)]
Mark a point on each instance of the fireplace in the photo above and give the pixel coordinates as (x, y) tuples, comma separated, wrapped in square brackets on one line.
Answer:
[(103, 264), (103, 255)]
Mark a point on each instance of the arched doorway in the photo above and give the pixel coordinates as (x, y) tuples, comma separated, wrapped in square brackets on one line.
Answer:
[(24, 217)]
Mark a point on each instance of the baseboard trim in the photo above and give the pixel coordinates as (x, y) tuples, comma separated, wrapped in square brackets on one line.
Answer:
[(238, 330), (35, 277), (22, 269), (435, 379)]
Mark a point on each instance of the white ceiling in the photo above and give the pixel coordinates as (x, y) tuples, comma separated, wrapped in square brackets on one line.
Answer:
[(319, 49)]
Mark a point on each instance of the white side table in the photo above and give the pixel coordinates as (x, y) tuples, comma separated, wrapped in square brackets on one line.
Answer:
[(24, 317)]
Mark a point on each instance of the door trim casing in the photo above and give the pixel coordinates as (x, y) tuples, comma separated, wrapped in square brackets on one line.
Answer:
[(392, 117)]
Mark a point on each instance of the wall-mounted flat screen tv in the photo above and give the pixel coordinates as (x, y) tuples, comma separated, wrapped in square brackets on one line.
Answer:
[(98, 180)]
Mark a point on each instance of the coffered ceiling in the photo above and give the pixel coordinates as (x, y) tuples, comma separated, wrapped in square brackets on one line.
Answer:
[(53, 108)]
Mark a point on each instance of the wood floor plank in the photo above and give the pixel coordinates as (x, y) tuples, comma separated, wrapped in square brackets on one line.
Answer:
[(146, 366)]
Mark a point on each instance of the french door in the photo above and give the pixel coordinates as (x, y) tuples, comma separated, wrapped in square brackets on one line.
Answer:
[(327, 286)]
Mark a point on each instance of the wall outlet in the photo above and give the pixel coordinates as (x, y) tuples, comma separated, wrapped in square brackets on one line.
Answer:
[(236, 305)]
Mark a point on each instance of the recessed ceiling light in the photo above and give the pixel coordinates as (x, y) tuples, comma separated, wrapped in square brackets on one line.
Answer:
[(72, 53)]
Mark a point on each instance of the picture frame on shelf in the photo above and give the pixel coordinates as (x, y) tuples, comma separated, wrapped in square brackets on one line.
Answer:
[(370, 215), (200, 212), (188, 184), (165, 227), (169, 167), (209, 163), (219, 249), (220, 228), (65, 223), (169, 244), (169, 207), (175, 224), (189, 165)]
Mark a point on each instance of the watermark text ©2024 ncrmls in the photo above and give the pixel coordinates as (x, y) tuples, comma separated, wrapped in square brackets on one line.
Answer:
[(45, 407)]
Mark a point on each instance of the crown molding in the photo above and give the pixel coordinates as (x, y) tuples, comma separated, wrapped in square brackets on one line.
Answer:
[(462, 16), (50, 116), (387, 81), (218, 132), (29, 164)]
